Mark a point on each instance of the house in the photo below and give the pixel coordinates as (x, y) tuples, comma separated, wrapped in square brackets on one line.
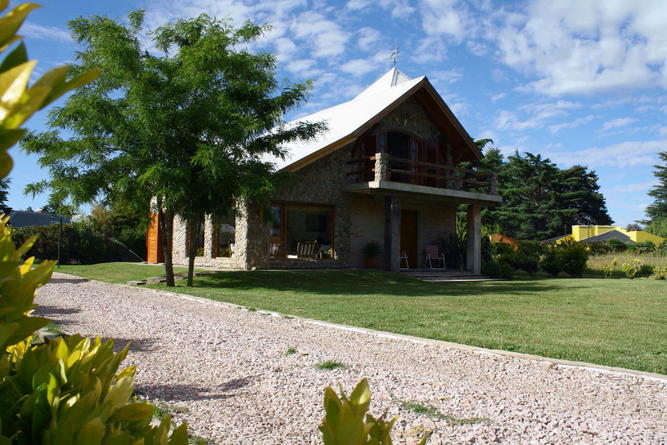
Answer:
[(605, 233), (387, 170), (25, 218)]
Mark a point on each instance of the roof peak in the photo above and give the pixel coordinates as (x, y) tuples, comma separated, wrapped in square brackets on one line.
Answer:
[(389, 79)]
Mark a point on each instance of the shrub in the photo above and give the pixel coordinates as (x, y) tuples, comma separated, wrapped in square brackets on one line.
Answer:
[(659, 273), (641, 248), (77, 244), (645, 270), (551, 261), (609, 269), (527, 258), (494, 269), (632, 267), (598, 247), (573, 259), (616, 245), (346, 420)]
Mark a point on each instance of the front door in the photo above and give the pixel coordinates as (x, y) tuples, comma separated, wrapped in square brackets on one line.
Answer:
[(409, 237)]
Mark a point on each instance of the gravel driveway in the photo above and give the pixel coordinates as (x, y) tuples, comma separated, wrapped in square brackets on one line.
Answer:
[(225, 371)]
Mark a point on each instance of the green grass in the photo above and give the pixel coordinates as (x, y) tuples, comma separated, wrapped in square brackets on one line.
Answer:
[(117, 272), (329, 365), (615, 322), (291, 350), (425, 410)]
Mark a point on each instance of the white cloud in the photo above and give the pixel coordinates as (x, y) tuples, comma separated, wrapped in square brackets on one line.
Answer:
[(358, 67), (497, 97), (632, 188), (429, 49), (617, 123), (35, 31), (444, 17), (573, 124), (446, 76), (368, 38), (663, 131), (583, 47), (325, 35), (300, 65), (622, 155)]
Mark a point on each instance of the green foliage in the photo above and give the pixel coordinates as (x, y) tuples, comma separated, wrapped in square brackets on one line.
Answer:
[(574, 258), (528, 257), (4, 191), (616, 245), (551, 261), (608, 270), (70, 391), (347, 421), (632, 267), (657, 210), (78, 245), (329, 365), (658, 226), (372, 249), (659, 273), (640, 248), (190, 124), (540, 200)]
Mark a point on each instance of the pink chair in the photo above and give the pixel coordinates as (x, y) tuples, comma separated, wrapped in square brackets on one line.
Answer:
[(433, 255)]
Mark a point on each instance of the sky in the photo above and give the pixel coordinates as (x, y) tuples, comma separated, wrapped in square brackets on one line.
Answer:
[(579, 82)]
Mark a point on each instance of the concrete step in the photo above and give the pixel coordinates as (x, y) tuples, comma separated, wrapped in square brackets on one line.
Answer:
[(442, 276)]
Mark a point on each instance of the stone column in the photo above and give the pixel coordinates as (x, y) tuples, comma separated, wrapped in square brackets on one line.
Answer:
[(392, 233), (381, 167), (208, 237), (474, 248), (179, 254)]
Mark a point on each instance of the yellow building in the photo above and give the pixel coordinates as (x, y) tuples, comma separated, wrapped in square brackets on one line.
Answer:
[(580, 233)]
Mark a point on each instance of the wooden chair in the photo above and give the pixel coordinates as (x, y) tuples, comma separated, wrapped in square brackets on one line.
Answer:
[(433, 255), (306, 249), (404, 257)]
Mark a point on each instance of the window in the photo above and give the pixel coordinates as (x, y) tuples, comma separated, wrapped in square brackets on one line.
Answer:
[(302, 231), (224, 236), (198, 236)]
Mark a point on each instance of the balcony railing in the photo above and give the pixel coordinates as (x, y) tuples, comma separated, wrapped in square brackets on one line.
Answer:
[(383, 167)]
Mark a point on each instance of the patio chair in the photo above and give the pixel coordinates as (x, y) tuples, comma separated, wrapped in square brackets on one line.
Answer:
[(404, 257), (306, 249), (433, 255)]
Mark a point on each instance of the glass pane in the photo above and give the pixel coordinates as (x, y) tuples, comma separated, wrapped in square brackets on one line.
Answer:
[(277, 218), (226, 232), (309, 232)]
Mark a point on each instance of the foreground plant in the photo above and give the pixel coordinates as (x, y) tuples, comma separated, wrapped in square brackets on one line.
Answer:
[(68, 391), (347, 422)]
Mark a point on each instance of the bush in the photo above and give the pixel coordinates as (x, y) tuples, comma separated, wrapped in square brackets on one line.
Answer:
[(494, 269), (528, 257), (551, 261), (616, 245), (77, 245), (632, 267), (573, 259), (641, 248), (598, 247), (659, 273)]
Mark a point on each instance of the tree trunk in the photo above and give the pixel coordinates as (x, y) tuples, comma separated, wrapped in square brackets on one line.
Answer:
[(165, 222), (193, 232)]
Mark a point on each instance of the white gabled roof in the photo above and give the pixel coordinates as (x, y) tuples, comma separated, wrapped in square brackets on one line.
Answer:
[(344, 119)]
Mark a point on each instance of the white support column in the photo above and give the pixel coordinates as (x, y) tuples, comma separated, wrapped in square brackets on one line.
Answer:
[(208, 237), (474, 248)]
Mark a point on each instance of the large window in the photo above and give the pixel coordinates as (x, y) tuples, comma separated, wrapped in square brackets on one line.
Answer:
[(302, 231), (224, 236), (198, 236)]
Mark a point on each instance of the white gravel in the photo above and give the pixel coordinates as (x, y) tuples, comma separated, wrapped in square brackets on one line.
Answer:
[(228, 367)]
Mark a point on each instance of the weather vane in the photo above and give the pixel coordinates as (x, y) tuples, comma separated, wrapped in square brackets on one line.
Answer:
[(393, 57)]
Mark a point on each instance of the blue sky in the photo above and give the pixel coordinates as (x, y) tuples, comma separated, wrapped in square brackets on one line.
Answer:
[(580, 82)]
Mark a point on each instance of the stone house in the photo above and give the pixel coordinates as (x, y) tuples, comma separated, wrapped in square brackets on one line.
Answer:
[(387, 170)]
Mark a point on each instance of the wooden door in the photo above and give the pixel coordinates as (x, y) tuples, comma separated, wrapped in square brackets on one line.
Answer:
[(154, 253), (409, 237)]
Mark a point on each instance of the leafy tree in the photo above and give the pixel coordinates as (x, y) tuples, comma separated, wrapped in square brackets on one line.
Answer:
[(540, 200), (188, 123), (4, 192), (656, 212)]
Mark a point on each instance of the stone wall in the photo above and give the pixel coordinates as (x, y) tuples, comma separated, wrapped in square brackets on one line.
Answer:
[(410, 117)]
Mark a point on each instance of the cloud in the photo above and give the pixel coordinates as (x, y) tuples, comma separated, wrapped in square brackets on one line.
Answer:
[(538, 114), (632, 188), (368, 38), (622, 155), (399, 9), (444, 17), (617, 123), (429, 49), (580, 47), (573, 124), (325, 35), (497, 97), (35, 31), (358, 67), (446, 76)]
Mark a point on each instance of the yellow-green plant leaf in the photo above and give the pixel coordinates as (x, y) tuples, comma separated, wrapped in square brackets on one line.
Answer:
[(10, 23), (18, 56)]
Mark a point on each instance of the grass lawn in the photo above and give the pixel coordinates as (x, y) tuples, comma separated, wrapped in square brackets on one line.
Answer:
[(116, 272), (616, 322)]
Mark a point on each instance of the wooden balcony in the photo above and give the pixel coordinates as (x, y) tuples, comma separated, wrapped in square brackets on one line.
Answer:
[(382, 172)]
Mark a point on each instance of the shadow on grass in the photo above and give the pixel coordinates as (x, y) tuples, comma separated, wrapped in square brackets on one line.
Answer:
[(184, 393), (355, 282)]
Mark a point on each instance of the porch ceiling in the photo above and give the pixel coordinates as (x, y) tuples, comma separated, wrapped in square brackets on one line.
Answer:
[(423, 192)]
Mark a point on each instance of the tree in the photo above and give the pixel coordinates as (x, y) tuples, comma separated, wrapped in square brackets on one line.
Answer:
[(4, 192), (540, 200), (187, 124)]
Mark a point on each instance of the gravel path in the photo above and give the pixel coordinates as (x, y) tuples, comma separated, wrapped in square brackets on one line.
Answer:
[(228, 368)]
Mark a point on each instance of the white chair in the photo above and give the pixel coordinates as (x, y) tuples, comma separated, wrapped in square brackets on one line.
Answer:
[(404, 257), (433, 255)]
